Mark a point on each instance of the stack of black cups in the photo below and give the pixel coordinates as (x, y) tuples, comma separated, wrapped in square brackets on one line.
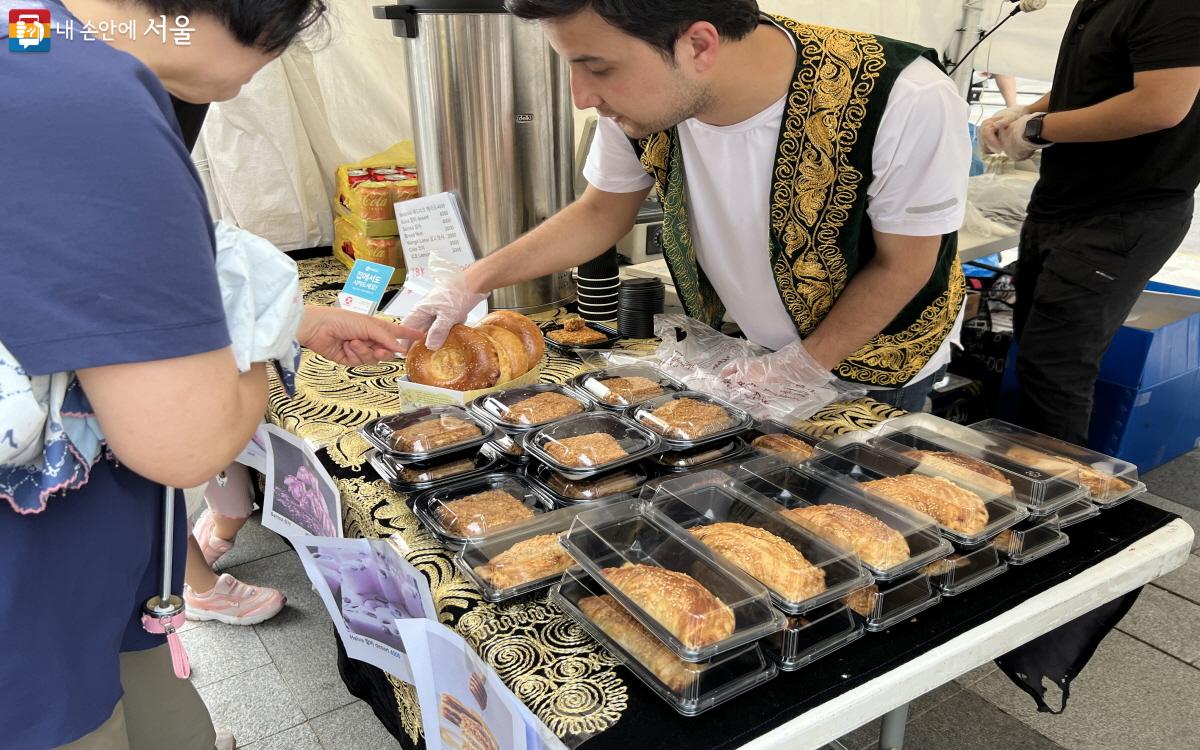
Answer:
[(639, 301), (597, 286)]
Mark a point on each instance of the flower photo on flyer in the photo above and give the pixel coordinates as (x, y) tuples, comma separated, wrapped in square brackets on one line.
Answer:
[(300, 498)]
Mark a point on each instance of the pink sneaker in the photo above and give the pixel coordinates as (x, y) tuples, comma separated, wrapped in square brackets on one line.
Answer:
[(211, 545), (233, 602)]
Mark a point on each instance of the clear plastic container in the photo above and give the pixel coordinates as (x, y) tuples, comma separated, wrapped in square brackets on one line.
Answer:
[(429, 433), (476, 509), (424, 476), (510, 448), (1080, 510), (816, 633), (1043, 492), (830, 571), (884, 604), (521, 560), (591, 444), (697, 458), (618, 388), (963, 571), (853, 458), (582, 491), (770, 438), (795, 487), (691, 688), (1109, 481), (1031, 540), (519, 409), (685, 595), (689, 419), (611, 336)]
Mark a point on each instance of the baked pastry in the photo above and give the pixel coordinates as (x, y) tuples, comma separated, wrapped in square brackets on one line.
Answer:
[(1100, 485), (875, 543), (434, 434), (586, 451), (863, 600), (466, 362), (593, 489), (462, 727), (945, 565), (779, 565), (575, 331), (415, 475), (963, 467), (695, 456), (527, 560), (791, 449), (616, 622), (677, 601), (950, 505), (631, 390), (541, 408), (524, 328), (687, 419), (475, 515), (509, 351)]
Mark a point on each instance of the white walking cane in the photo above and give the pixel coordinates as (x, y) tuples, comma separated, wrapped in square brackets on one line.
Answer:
[(164, 614)]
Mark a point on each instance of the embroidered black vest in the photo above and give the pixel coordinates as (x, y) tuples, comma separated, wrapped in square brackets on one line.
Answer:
[(820, 233)]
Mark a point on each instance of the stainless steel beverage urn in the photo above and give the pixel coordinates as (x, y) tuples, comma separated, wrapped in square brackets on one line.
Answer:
[(492, 117)]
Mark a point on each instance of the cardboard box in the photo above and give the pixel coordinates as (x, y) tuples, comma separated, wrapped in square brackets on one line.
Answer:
[(415, 394), (367, 190), (349, 244)]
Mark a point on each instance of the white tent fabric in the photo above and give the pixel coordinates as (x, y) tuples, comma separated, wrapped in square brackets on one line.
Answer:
[(267, 158)]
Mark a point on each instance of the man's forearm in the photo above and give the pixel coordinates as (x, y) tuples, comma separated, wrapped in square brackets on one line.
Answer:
[(575, 235), (1158, 101), (870, 301)]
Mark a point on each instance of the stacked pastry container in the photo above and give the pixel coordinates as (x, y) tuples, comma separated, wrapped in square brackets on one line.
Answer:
[(512, 423), (427, 460)]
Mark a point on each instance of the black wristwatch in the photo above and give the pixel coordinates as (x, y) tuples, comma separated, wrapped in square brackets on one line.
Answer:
[(1033, 130)]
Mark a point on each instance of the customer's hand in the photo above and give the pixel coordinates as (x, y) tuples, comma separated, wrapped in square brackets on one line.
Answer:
[(991, 132), (351, 338), (446, 306)]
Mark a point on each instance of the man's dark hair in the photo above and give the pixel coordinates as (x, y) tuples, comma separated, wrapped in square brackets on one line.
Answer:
[(659, 23), (269, 25)]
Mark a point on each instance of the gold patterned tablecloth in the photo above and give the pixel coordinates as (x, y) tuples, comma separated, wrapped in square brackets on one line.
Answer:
[(564, 677)]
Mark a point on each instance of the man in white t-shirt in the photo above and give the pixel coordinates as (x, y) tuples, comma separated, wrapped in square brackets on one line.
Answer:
[(813, 180)]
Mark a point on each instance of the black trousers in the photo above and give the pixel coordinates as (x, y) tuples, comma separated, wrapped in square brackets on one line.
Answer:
[(1076, 283)]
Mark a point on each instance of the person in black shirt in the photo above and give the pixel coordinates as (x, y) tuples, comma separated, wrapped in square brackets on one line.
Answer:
[(1120, 140)]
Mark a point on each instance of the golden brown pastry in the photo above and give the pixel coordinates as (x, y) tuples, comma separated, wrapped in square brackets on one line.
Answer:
[(609, 484), (1100, 485), (433, 434), (963, 467), (631, 390), (687, 419), (950, 505), (510, 352), (482, 512), (462, 727), (413, 475), (863, 600), (677, 601), (616, 622), (1004, 540), (875, 543), (791, 449), (467, 361), (525, 329), (779, 565), (540, 408), (525, 561), (575, 331), (945, 565), (586, 451)]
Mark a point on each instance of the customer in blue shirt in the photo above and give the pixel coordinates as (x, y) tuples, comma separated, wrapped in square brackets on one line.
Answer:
[(108, 270)]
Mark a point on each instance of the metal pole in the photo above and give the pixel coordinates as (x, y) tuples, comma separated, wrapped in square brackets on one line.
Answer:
[(891, 730), (968, 34), (168, 540)]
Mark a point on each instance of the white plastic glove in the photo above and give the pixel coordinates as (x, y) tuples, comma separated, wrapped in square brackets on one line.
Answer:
[(992, 130), (778, 385), (446, 306), (1016, 145)]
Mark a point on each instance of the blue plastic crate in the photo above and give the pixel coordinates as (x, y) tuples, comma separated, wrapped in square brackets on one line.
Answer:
[(1148, 426), (1159, 341)]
